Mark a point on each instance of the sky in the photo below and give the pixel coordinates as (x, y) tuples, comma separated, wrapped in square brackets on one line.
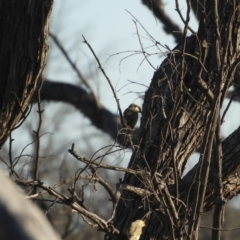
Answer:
[(109, 28)]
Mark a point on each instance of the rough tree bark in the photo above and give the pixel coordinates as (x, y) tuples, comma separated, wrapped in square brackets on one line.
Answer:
[(23, 49), (176, 114)]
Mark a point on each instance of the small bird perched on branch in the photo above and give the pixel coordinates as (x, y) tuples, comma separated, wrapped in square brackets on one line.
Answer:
[(131, 115), (135, 230)]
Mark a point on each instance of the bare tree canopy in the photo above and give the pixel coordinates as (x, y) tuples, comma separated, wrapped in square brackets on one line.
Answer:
[(181, 114)]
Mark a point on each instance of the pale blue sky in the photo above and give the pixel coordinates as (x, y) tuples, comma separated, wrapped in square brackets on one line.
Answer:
[(109, 29)]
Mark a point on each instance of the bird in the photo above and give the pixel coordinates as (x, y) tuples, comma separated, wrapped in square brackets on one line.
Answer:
[(130, 115), (135, 230)]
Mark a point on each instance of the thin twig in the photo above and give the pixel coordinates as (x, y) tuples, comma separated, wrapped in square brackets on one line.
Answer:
[(227, 108), (109, 81), (10, 154), (109, 167), (73, 65), (141, 45), (37, 133)]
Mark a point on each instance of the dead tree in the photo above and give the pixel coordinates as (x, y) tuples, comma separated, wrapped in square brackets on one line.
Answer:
[(181, 113)]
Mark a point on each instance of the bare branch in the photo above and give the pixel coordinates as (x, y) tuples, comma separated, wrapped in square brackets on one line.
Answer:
[(109, 81), (170, 27)]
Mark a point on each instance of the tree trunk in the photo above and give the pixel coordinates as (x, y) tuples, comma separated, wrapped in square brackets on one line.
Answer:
[(177, 112), (20, 218), (23, 49)]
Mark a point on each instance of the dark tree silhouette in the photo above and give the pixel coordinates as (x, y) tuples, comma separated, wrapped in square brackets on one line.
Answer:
[(181, 112), (24, 31), (181, 115)]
